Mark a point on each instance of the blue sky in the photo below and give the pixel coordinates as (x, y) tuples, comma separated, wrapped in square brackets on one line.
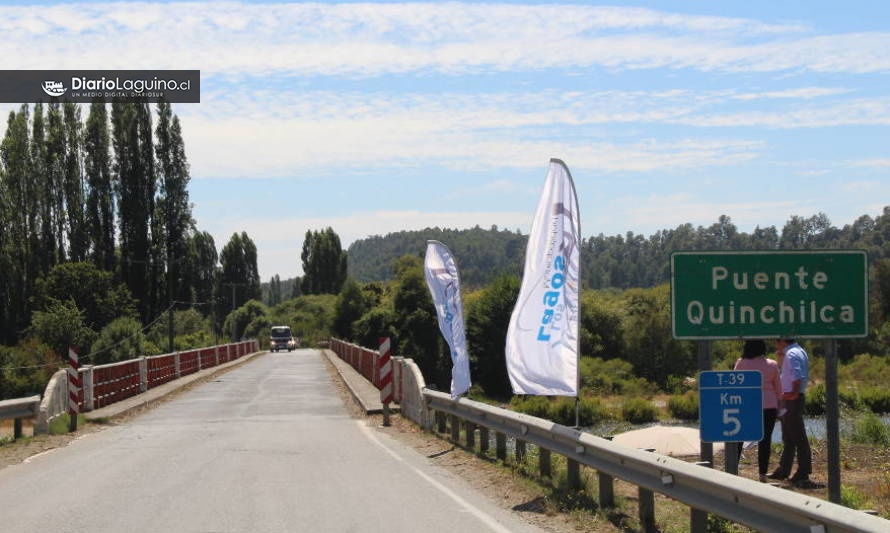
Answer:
[(377, 117)]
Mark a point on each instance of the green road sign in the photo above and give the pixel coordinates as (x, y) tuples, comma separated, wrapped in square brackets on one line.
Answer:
[(812, 294)]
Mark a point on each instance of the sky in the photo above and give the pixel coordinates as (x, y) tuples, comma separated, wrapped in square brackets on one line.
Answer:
[(373, 118)]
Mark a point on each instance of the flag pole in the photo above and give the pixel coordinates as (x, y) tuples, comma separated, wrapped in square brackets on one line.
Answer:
[(578, 336)]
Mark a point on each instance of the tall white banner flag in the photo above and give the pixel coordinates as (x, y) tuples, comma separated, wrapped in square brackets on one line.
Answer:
[(542, 340), (444, 283)]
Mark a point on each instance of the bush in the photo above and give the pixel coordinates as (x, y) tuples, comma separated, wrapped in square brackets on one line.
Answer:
[(815, 400), (684, 406), (561, 409), (638, 411), (869, 429), (852, 498), (613, 376), (25, 369), (120, 340), (877, 400)]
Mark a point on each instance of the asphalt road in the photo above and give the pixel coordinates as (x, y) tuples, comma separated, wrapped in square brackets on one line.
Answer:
[(267, 447)]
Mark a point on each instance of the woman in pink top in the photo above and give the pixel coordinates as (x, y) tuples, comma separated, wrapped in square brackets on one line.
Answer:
[(754, 358)]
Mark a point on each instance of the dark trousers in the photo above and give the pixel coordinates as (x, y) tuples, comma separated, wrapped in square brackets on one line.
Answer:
[(794, 440), (764, 447)]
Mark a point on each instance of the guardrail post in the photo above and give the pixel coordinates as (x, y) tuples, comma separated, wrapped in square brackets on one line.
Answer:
[(455, 429), (86, 377), (607, 490), (440, 421), (216, 356), (519, 453), (143, 374), (177, 365), (573, 472), (647, 510), (471, 436), (500, 445), (199, 356), (544, 463), (483, 440)]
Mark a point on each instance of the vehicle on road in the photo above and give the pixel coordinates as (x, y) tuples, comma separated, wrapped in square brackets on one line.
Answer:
[(281, 338)]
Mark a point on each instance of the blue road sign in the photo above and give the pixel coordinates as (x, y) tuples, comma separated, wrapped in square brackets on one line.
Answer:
[(731, 406)]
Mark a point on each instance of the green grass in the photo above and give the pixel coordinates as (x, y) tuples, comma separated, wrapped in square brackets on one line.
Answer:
[(59, 425)]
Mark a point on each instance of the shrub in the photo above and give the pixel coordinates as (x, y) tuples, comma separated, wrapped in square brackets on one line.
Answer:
[(869, 429), (877, 400), (684, 406), (852, 498), (638, 411), (120, 340), (561, 410), (815, 400)]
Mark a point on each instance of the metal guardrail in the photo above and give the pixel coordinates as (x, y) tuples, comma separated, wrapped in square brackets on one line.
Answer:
[(757, 505), (18, 409)]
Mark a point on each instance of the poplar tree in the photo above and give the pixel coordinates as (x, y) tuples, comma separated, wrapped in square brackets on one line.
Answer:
[(55, 178), (100, 199), (173, 202), (78, 233), (239, 278), (203, 267), (39, 186), (135, 180), (324, 263), (20, 242)]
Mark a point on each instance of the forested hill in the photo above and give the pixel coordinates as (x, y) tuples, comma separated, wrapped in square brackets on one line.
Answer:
[(620, 261), (481, 253)]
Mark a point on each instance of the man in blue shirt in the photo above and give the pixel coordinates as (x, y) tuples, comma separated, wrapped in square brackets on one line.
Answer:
[(795, 376)]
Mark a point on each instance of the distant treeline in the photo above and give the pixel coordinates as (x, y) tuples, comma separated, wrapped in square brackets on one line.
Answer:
[(619, 261)]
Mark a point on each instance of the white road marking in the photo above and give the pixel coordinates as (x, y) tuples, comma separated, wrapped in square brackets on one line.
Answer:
[(493, 524)]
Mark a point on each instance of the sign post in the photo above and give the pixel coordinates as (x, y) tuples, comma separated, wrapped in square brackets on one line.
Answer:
[(731, 410), (73, 389), (384, 365), (816, 294)]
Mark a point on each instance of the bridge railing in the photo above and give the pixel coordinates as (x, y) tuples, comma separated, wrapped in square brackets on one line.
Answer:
[(103, 385), (705, 490)]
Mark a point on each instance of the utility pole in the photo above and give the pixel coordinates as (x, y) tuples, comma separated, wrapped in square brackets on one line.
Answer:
[(233, 284)]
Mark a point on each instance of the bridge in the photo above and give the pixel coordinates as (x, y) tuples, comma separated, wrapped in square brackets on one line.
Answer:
[(270, 446)]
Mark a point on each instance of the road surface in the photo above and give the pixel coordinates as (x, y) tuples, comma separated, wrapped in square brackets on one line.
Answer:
[(267, 447)]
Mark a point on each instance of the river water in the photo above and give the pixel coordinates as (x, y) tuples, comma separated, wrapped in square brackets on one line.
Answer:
[(815, 427)]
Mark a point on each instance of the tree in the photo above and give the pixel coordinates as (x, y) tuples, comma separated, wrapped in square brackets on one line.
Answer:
[(655, 354), (173, 204), (100, 198), (488, 319), (135, 200), (78, 232), (120, 340), (238, 320), (19, 250), (324, 263), (62, 325), (94, 292), (201, 268), (416, 324), (350, 307), (239, 279), (55, 148)]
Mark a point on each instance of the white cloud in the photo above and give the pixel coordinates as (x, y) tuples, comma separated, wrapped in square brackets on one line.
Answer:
[(877, 163), (375, 39)]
